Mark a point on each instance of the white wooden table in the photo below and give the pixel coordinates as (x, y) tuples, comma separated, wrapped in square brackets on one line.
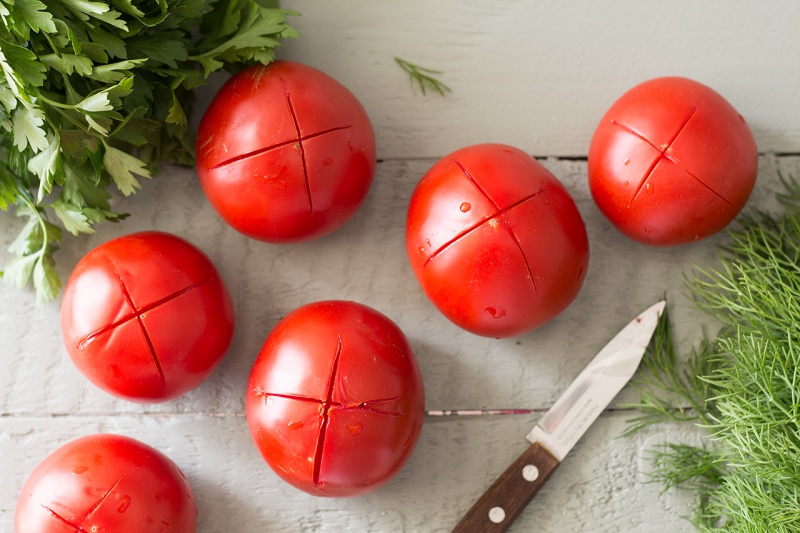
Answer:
[(537, 75)]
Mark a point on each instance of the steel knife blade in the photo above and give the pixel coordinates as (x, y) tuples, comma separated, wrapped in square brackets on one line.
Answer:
[(562, 426)]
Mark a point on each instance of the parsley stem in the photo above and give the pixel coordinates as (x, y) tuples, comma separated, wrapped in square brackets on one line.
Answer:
[(36, 211), (53, 102), (52, 45)]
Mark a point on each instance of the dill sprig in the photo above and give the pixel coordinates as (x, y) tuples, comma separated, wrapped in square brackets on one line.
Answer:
[(423, 77), (669, 390), (742, 389)]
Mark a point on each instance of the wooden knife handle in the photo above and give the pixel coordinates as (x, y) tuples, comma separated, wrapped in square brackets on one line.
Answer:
[(503, 502)]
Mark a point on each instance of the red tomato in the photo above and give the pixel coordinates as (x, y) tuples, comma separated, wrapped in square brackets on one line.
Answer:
[(495, 240), (285, 153), (335, 399), (106, 483), (671, 162), (146, 317)]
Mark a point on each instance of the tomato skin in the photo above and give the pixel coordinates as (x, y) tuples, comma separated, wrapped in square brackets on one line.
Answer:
[(146, 317), (107, 483), (495, 240), (285, 190), (671, 162), (335, 400)]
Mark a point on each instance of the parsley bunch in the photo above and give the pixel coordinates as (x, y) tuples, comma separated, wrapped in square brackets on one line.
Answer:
[(94, 94), (742, 387)]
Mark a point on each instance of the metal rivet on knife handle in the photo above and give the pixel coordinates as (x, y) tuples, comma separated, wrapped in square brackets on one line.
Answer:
[(497, 514), (530, 472)]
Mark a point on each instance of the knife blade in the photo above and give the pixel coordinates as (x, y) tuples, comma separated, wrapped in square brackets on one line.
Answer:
[(562, 426)]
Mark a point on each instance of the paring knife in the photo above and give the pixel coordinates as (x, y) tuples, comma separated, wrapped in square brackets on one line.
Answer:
[(562, 426)]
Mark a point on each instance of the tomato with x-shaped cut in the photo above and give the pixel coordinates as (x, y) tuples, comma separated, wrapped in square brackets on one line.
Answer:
[(146, 316), (106, 483), (495, 240), (285, 153), (335, 399), (671, 162)]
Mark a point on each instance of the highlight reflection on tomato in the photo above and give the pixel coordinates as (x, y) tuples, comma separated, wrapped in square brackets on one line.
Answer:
[(106, 483), (671, 162), (146, 317), (335, 399), (495, 240), (285, 153)]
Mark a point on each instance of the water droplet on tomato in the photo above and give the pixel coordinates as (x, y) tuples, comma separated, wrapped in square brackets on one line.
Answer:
[(465, 207), (80, 469), (428, 242), (124, 503), (496, 312), (649, 187), (546, 201), (352, 429), (697, 237), (626, 183), (647, 230), (626, 162), (327, 162), (422, 249), (296, 424)]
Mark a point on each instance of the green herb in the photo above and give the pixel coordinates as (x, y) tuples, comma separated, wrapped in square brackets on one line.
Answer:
[(95, 94), (742, 388), (423, 77), (671, 390)]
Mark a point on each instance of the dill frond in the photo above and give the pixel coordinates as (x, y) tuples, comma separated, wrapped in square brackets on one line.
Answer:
[(670, 390), (423, 77), (744, 385)]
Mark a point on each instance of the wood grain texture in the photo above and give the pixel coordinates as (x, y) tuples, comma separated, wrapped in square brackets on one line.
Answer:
[(364, 261), (537, 75), (540, 75), (501, 504), (44, 401), (597, 488)]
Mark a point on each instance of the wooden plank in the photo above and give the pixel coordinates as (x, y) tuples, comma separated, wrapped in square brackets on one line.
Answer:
[(596, 489), (364, 261), (540, 75), (44, 401)]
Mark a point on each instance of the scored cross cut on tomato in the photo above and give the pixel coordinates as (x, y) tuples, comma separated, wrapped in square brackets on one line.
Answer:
[(146, 317), (335, 399), (495, 240), (285, 153), (671, 162)]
